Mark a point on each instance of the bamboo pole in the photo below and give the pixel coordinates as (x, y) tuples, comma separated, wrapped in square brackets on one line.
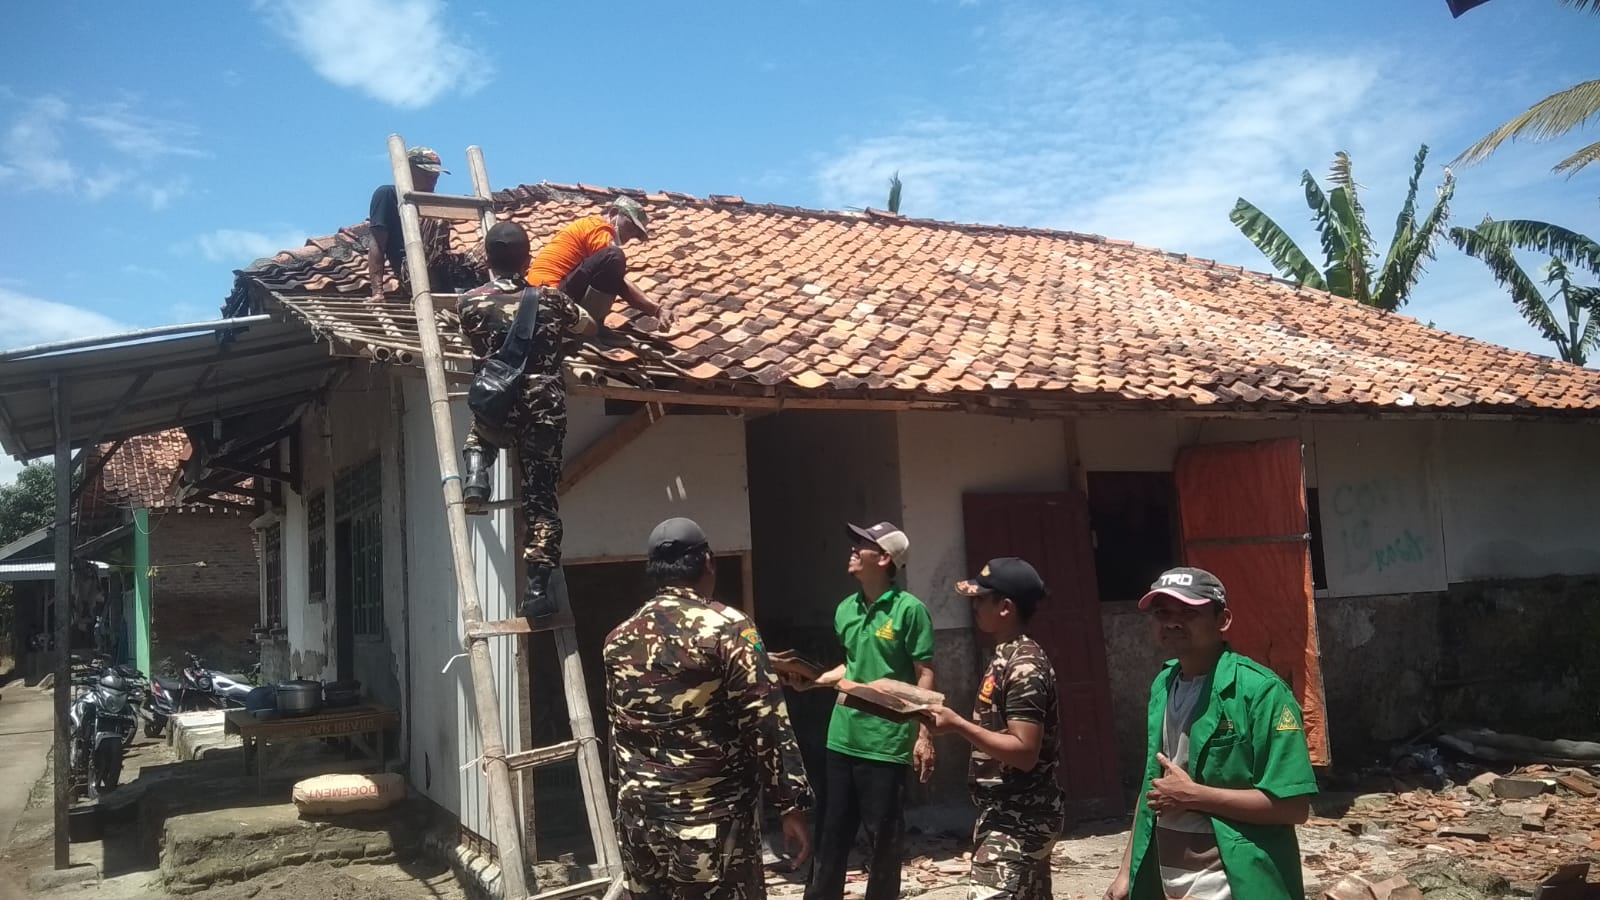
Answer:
[(502, 805), (63, 604)]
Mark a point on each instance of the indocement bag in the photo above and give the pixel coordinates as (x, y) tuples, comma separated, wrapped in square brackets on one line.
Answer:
[(332, 795)]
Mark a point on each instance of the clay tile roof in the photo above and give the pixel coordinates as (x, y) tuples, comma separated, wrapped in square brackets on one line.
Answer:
[(808, 302), (141, 474)]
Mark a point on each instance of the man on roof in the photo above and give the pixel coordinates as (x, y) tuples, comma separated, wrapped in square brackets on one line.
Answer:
[(446, 271), (585, 261)]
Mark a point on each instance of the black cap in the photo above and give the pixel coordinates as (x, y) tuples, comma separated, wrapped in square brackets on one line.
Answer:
[(1007, 576), (508, 233), (675, 537), (1196, 587)]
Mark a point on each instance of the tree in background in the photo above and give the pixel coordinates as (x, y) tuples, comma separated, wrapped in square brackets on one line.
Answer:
[(1567, 316), (1551, 117), (1351, 267), (29, 503)]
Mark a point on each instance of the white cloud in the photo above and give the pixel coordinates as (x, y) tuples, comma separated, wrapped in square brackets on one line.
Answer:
[(8, 469), (241, 247), (1148, 129), (92, 153), (399, 53), (26, 320)]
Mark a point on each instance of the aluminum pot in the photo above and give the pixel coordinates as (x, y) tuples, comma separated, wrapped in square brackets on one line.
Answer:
[(299, 698)]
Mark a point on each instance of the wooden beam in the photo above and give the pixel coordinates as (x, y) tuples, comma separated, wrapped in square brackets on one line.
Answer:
[(93, 472), (62, 409), (256, 472), (610, 444)]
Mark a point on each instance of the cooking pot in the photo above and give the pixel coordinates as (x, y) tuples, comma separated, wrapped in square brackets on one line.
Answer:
[(299, 697)]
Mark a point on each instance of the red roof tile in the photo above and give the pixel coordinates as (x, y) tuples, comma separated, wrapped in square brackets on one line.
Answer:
[(142, 473), (810, 302)]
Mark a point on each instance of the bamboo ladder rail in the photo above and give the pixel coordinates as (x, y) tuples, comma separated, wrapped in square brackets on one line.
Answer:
[(498, 767)]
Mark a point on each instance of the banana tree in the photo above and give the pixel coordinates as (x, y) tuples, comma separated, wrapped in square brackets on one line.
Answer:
[(1351, 266), (1567, 316)]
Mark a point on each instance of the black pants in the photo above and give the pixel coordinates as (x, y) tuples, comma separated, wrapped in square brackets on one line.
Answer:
[(605, 271), (858, 792)]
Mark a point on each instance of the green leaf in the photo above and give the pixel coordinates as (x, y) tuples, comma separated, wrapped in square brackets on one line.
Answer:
[(1551, 117), (1547, 239), (1502, 262), (1405, 225), (1274, 243), (894, 193), (1333, 246), (1347, 217), (1400, 275)]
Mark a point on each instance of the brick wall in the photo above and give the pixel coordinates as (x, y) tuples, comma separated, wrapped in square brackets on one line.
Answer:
[(209, 609)]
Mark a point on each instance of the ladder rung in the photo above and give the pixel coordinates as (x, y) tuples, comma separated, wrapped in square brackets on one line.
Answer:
[(474, 508), (448, 206), (506, 627), (543, 756), (574, 890)]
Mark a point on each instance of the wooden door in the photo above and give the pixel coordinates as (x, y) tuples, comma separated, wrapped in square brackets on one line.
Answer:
[(1051, 531), (1243, 509)]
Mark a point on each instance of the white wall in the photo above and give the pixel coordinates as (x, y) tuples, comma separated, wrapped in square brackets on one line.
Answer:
[(1521, 499), (942, 456), (1380, 507), (443, 729), (683, 465)]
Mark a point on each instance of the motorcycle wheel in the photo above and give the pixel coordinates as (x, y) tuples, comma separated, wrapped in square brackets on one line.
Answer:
[(154, 727)]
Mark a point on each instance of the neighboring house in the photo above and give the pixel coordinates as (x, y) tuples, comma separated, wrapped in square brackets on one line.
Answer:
[(28, 567), (197, 567)]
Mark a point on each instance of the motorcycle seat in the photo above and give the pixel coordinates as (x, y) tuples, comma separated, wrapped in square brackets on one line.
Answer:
[(169, 684)]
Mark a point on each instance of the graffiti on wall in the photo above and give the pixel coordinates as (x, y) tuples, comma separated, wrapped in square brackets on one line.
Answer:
[(1379, 525)]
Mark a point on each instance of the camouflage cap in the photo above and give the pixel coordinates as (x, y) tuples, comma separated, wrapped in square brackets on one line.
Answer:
[(635, 213), (426, 159)]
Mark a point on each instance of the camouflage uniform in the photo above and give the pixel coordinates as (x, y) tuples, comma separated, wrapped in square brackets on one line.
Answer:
[(699, 731), (1019, 813), (538, 424)]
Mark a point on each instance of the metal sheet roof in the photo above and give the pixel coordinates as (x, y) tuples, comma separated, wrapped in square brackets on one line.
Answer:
[(35, 571), (219, 369)]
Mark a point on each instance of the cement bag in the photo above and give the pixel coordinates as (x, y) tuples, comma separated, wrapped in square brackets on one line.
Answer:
[(333, 795)]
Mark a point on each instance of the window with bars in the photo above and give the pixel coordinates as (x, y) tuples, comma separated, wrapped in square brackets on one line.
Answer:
[(272, 575), (317, 545), (358, 510)]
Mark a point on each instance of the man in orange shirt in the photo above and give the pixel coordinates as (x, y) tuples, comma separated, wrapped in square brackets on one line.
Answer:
[(587, 255)]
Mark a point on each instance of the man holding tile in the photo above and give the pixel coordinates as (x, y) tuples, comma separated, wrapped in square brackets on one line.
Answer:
[(886, 633)]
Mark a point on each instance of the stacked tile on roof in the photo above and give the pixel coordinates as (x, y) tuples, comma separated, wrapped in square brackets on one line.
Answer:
[(142, 474), (812, 303)]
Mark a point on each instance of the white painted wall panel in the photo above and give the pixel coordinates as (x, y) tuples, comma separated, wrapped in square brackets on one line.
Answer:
[(444, 733), (944, 455), (1380, 508), (681, 466), (1522, 499)]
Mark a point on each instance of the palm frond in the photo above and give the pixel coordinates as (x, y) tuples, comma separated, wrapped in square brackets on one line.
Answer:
[(1581, 5), (1503, 265), (1578, 160), (1547, 239), (1333, 246), (1551, 117), (1275, 244), (1399, 276), (1405, 225)]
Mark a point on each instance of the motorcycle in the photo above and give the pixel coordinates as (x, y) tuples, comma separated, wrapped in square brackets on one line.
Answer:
[(198, 687), (102, 722)]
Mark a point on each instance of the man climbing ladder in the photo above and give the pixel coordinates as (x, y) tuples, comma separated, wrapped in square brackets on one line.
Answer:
[(537, 425)]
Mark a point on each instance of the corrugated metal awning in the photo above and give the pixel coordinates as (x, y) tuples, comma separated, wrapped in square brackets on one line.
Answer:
[(217, 369), (36, 571)]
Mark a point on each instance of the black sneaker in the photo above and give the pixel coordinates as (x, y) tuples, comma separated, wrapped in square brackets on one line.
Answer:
[(537, 602)]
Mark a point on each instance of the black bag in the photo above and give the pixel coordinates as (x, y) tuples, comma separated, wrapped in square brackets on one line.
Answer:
[(498, 382)]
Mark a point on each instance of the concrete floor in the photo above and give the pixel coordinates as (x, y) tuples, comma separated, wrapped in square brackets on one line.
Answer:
[(26, 731)]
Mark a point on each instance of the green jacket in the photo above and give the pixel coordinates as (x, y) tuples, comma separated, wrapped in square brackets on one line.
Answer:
[(1247, 734)]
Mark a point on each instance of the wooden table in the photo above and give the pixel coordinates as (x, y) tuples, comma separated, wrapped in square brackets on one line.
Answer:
[(364, 725)]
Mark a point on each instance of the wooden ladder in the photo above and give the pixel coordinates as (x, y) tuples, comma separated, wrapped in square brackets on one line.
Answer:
[(498, 765)]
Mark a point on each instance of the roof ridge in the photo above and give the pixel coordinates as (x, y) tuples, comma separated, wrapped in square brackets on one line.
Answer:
[(572, 192)]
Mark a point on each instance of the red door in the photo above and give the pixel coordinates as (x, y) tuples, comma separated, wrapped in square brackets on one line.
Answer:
[(1051, 531), (1243, 508)]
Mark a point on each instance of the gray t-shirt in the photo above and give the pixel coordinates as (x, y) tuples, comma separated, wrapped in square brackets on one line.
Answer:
[(1182, 702)]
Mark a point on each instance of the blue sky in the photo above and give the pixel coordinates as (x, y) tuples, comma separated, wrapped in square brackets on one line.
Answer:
[(146, 151)]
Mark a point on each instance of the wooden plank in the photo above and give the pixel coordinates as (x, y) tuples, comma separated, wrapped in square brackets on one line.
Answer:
[(591, 773), (448, 206), (574, 890), (506, 627), (610, 444), (543, 756)]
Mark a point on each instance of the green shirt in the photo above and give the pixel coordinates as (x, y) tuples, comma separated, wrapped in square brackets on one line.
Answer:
[(1247, 733), (881, 640)]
